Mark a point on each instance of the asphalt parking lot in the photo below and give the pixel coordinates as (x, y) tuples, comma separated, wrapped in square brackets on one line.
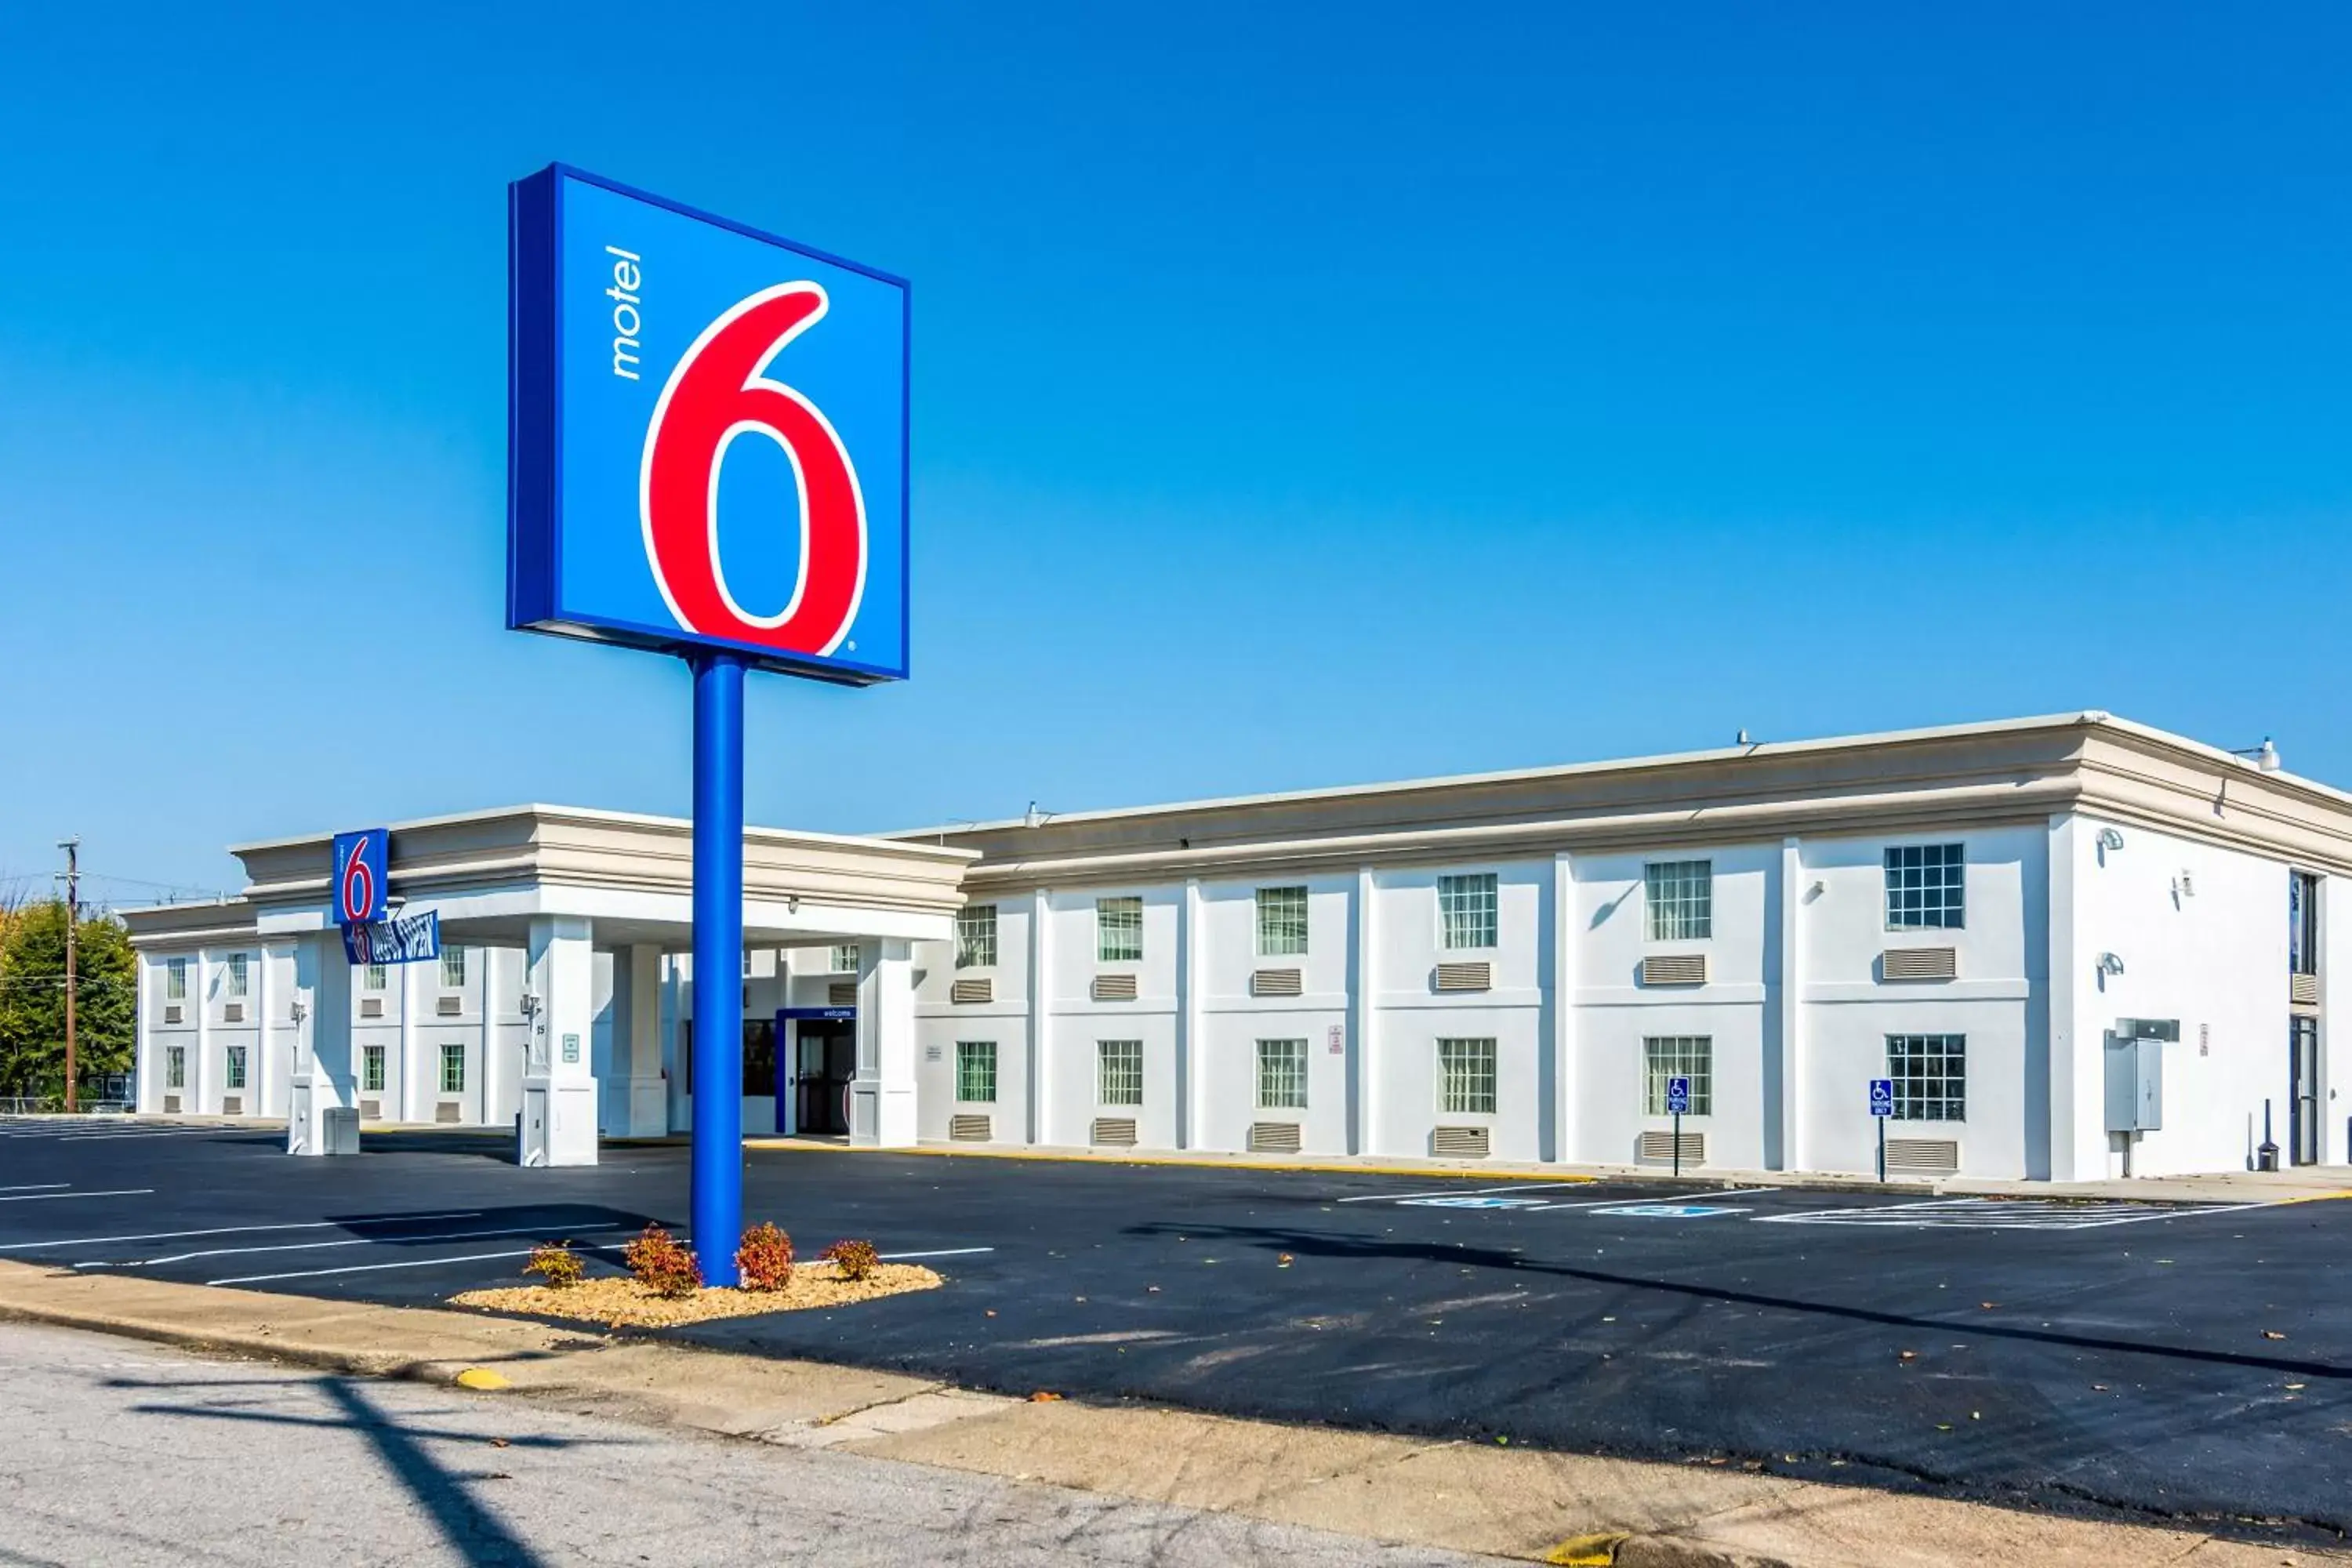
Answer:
[(2184, 1361)]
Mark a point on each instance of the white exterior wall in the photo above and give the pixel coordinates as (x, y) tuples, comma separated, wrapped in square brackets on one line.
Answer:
[(1002, 1021), (1232, 1021)]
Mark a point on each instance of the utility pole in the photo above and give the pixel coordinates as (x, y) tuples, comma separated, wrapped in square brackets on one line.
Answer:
[(72, 847)]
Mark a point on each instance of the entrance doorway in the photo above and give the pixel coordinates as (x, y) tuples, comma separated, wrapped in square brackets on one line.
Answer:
[(2302, 1088), (827, 1061)]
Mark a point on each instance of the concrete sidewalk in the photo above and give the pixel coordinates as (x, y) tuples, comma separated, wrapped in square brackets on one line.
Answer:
[(2299, 1185), (1556, 1507)]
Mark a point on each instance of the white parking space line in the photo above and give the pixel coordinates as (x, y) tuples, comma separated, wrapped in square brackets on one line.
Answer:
[(116, 1193), (236, 1230), (36, 1187), (407, 1263), (1622, 1202), (943, 1252), (151, 1132), (2002, 1214), (1467, 1191), (346, 1241)]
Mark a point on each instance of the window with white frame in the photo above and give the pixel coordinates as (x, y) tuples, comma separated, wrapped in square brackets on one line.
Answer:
[(844, 959), (1282, 1075), (1281, 922), (237, 977), (1119, 1072), (1465, 910), (176, 1067), (1118, 930), (1924, 886), (453, 1069), (1680, 898), (453, 967), (373, 977), (976, 936), (1466, 1076), (976, 1072), (1667, 1056), (233, 1076), (1931, 1076), (372, 1059), (176, 980)]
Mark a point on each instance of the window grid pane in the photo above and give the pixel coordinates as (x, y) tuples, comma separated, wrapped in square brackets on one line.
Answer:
[(1281, 922), (844, 959), (1118, 930), (976, 1071), (976, 936), (235, 1077), (453, 966), (176, 980), (371, 1068), (1678, 1056), (1282, 1075), (175, 1067), (1681, 899), (1931, 1076), (453, 1069), (1925, 885), (1465, 908), (373, 977), (1466, 1074), (1120, 1073), (236, 980)]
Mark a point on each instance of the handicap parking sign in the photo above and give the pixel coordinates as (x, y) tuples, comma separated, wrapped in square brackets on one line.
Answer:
[(1678, 1097), (1882, 1097)]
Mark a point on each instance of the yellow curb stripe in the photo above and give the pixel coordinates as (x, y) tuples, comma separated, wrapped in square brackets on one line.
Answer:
[(1595, 1551), (797, 1146)]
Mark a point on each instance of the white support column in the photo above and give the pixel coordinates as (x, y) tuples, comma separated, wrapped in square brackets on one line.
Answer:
[(402, 1101), (637, 1019), (1791, 1020), (1363, 1077), (559, 1085), (322, 1049), (1041, 975), (146, 1097), (1563, 1143), (2067, 1157), (257, 1066), (199, 1078), (882, 1097), (1189, 1074)]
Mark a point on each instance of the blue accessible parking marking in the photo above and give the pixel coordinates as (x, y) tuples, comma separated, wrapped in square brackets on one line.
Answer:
[(1668, 1211), (1475, 1203)]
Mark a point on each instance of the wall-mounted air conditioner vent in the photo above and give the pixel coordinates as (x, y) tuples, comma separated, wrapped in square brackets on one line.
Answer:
[(1276, 982), (1923, 1156), (972, 991), (2303, 990), (841, 994), (171, 1105), (1920, 964), (232, 1011), (969, 1129), (1658, 1149), (1275, 1137), (1675, 969), (371, 1110), (449, 1007), (1114, 987), (1477, 975), (172, 1012), (1114, 1132), (1459, 1142), (231, 1105), (370, 1006), (448, 1110)]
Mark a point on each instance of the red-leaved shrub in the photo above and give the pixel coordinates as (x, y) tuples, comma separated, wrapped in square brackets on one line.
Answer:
[(855, 1259), (658, 1263), (764, 1262)]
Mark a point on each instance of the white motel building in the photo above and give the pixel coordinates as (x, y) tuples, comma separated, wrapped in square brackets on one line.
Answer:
[(2079, 947)]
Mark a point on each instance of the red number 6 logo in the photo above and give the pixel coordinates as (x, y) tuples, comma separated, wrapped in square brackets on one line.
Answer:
[(716, 393)]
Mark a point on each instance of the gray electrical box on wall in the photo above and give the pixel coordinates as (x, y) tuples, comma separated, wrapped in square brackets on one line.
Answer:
[(2136, 1073)]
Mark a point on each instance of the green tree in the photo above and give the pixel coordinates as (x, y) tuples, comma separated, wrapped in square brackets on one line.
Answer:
[(33, 999)]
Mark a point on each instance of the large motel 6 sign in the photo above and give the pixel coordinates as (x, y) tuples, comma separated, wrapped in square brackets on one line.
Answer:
[(707, 456)]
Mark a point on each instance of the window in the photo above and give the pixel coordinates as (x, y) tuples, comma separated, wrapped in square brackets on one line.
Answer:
[(1281, 922), (1118, 1072), (1931, 1076), (1924, 885), (1680, 895), (176, 1067), (1466, 909), (371, 1069), (176, 980), (1466, 1073), (453, 967), (976, 1072), (1678, 1056), (1282, 1075), (844, 959), (235, 1077), (976, 936), (453, 1069), (236, 976), (371, 978), (747, 963), (1118, 930), (2302, 924)]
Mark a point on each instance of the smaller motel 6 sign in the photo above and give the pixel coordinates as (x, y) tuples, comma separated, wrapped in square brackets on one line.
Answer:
[(710, 440)]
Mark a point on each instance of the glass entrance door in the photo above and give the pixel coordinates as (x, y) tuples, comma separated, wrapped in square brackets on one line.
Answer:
[(2303, 1090), (828, 1061)]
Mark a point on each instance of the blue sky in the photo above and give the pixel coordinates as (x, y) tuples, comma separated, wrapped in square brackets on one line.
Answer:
[(1303, 395)]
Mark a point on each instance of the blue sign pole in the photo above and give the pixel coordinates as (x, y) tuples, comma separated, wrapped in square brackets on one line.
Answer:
[(717, 1203)]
